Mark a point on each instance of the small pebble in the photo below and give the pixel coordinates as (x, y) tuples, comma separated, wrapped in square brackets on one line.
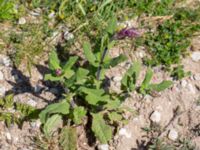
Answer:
[(4, 60), (32, 102), (117, 78), (8, 137), (191, 88), (22, 21), (183, 83), (1, 76), (2, 91), (195, 56), (155, 117), (68, 36), (103, 147), (123, 132), (196, 77), (173, 134)]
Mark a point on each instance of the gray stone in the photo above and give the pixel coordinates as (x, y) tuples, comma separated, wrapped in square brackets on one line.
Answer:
[(2, 91)]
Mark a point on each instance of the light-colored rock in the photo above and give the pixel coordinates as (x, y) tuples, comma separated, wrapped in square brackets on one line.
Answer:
[(32, 103), (35, 124), (8, 136), (124, 132), (1, 76), (183, 83), (196, 77), (4, 60), (117, 78), (155, 116), (191, 88), (22, 21), (2, 90), (103, 147), (68, 36), (173, 134), (195, 56)]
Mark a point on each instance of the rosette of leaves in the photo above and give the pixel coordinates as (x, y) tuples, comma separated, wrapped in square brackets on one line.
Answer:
[(131, 76), (86, 100)]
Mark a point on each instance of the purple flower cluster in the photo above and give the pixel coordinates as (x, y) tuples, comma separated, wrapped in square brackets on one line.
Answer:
[(58, 72), (127, 32)]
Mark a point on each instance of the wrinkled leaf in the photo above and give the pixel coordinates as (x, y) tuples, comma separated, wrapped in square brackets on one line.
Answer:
[(130, 77), (117, 60), (147, 79), (78, 114), (50, 77), (52, 125), (88, 54), (114, 116), (70, 63), (102, 131), (161, 86), (61, 108), (54, 62), (68, 138), (112, 25), (81, 75)]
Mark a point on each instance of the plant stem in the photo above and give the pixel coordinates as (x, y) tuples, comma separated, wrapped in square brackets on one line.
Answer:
[(101, 62)]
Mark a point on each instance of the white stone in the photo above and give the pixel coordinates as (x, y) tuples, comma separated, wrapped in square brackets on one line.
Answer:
[(191, 88), (123, 132), (32, 102), (4, 60), (22, 21), (197, 77), (155, 116), (2, 91), (117, 78), (68, 36), (8, 136), (1, 76), (36, 124), (183, 83), (103, 147), (173, 134), (195, 56)]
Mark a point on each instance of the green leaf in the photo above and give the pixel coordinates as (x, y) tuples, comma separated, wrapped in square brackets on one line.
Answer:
[(114, 116), (68, 73), (130, 77), (52, 125), (50, 77), (78, 114), (113, 104), (102, 131), (147, 79), (88, 54), (161, 86), (61, 108), (112, 25), (81, 75), (70, 63), (68, 138), (54, 62), (117, 60)]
